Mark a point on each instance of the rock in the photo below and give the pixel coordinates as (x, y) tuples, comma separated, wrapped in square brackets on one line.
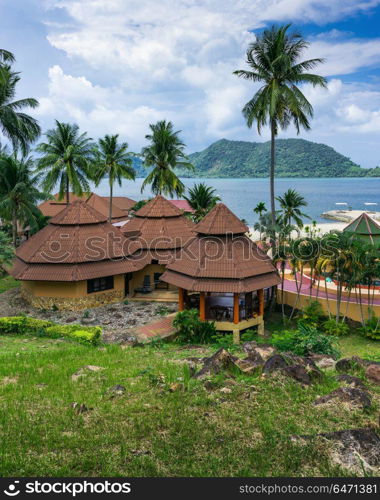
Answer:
[(210, 386), (353, 449), (323, 361), (79, 408), (257, 351), (117, 389), (298, 372), (129, 342), (249, 366), (372, 372), (82, 371), (352, 381), (345, 364), (88, 321), (226, 390), (70, 320), (354, 396), (265, 351), (218, 362), (176, 386), (274, 363)]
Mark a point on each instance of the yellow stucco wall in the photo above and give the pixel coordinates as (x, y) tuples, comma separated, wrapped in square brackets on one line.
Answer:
[(353, 309), (70, 295), (137, 279)]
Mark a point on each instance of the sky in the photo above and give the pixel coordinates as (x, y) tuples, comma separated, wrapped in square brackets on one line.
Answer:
[(115, 66)]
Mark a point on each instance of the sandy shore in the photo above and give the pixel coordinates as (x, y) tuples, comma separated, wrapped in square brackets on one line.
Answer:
[(349, 215), (323, 228)]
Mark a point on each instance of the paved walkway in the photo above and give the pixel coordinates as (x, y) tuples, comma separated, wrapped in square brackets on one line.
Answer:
[(161, 328)]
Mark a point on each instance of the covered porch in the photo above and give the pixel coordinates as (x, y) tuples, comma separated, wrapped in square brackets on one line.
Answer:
[(231, 312)]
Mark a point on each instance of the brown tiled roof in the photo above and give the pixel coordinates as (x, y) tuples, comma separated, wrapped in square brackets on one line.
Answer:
[(122, 202), (51, 208), (227, 261), (70, 245), (220, 220), (158, 225)]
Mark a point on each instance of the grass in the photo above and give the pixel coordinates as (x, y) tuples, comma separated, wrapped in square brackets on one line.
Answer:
[(357, 345), (150, 431), (7, 282)]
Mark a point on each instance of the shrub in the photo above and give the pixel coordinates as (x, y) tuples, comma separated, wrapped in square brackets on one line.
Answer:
[(371, 328), (304, 341), (312, 314), (27, 325), (190, 329), (331, 327), (163, 310)]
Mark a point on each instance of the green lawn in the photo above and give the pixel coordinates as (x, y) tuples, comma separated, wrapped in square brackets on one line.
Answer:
[(7, 282), (150, 431)]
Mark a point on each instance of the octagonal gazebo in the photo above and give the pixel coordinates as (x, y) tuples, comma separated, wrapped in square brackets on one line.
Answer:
[(222, 272)]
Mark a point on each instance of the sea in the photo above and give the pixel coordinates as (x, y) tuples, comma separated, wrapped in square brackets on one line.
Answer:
[(242, 195)]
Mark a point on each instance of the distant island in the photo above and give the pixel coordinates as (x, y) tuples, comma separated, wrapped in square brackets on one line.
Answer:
[(294, 158)]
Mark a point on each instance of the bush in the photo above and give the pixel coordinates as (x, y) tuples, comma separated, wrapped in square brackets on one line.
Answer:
[(304, 341), (371, 328), (331, 327), (190, 329), (313, 314), (27, 325)]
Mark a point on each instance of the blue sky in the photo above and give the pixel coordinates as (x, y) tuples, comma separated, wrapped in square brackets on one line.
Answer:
[(114, 66)]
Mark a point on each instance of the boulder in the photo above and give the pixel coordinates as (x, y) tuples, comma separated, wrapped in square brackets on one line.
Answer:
[(257, 351), (249, 366), (129, 342), (353, 449), (298, 372), (221, 361), (352, 381), (274, 363), (117, 390), (322, 361), (345, 364), (351, 395), (372, 372)]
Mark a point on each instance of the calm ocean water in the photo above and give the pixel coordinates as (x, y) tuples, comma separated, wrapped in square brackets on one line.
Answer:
[(242, 195)]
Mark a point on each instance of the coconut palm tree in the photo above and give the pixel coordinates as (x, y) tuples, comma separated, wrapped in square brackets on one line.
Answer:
[(6, 252), (112, 160), (259, 209), (15, 125), (291, 203), (18, 193), (164, 153), (274, 60), (202, 199), (66, 160)]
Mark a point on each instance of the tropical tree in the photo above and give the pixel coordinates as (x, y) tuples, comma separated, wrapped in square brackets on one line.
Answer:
[(6, 252), (259, 209), (6, 58), (18, 193), (112, 160), (15, 125), (274, 60), (202, 199), (66, 160), (290, 207), (164, 153)]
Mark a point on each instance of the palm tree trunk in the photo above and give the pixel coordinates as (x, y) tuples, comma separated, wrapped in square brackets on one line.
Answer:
[(67, 190), (272, 166), (110, 207), (14, 228)]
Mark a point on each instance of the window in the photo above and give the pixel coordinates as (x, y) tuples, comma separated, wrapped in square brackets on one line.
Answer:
[(100, 284)]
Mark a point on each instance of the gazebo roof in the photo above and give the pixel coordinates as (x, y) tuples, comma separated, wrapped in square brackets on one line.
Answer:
[(158, 225), (365, 228), (77, 244), (221, 258)]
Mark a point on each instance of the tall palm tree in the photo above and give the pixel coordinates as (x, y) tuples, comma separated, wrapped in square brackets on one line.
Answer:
[(274, 59), (66, 159), (259, 209), (112, 160), (6, 58), (18, 193), (291, 203), (202, 199), (17, 126), (164, 153)]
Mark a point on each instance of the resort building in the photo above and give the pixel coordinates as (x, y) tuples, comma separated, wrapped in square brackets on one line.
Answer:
[(121, 205), (365, 229), (156, 234), (75, 262), (222, 272)]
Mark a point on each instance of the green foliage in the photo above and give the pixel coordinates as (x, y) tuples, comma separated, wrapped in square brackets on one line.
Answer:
[(312, 313), (190, 329), (290, 208), (163, 311), (202, 199), (6, 252), (371, 328), (332, 327), (26, 325), (305, 340), (294, 158)]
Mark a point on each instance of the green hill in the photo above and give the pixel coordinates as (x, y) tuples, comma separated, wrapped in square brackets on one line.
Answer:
[(294, 158)]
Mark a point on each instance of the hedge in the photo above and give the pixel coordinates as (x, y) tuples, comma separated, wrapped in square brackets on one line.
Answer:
[(27, 325)]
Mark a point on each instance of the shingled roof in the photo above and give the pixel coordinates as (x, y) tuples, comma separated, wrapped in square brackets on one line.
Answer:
[(365, 228), (221, 258), (157, 230), (77, 244), (50, 208)]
